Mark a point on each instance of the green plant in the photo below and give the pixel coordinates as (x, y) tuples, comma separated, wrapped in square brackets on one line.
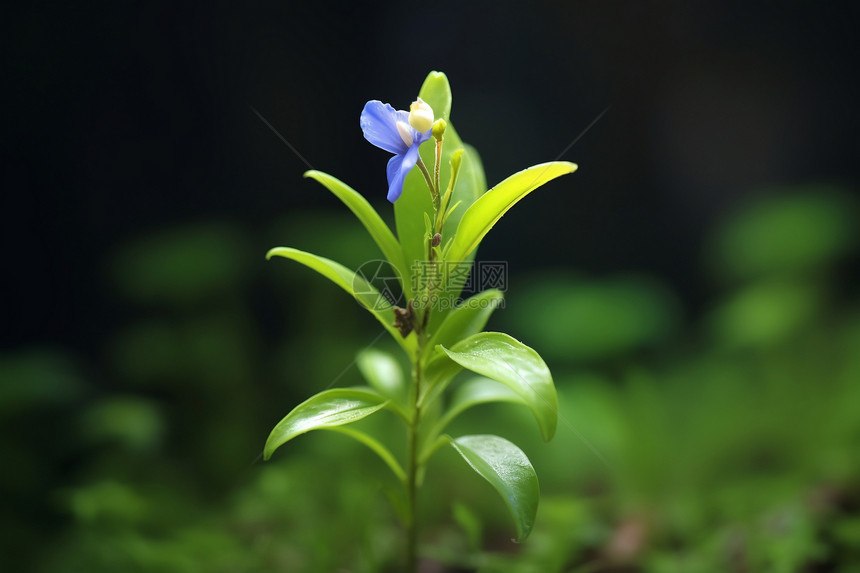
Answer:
[(438, 234)]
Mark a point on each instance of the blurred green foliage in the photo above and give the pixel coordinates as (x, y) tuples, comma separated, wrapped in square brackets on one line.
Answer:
[(719, 441), (183, 266), (584, 320), (809, 228)]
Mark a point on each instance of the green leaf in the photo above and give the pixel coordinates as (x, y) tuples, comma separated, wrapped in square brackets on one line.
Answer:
[(509, 361), (371, 220), (509, 471), (474, 392), (468, 318), (327, 409), (436, 92), (415, 201), (489, 208), (382, 372), (473, 185), (354, 284)]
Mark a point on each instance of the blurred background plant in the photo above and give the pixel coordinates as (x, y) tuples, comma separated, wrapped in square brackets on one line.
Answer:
[(699, 310)]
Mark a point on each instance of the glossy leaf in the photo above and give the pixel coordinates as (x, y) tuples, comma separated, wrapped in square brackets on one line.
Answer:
[(327, 409), (382, 372), (361, 290), (509, 471), (376, 227), (480, 217), (509, 361), (475, 392), (468, 318)]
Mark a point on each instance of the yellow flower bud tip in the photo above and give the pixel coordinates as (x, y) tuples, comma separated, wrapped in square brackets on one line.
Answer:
[(439, 129), (420, 115), (405, 133)]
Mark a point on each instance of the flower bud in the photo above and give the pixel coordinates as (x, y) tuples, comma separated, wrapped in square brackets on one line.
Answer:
[(439, 129), (456, 160), (421, 115)]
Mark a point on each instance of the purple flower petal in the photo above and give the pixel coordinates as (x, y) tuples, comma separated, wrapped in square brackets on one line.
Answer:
[(398, 167), (379, 124), (419, 138), (392, 171)]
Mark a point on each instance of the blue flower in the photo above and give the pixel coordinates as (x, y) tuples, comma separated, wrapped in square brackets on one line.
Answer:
[(393, 131)]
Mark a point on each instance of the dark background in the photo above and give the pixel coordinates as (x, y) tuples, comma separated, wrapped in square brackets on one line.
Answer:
[(123, 119), (141, 192)]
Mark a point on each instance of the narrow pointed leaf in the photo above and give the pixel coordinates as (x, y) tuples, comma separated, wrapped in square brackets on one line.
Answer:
[(354, 284), (467, 191), (382, 372), (509, 361), (480, 217), (376, 227), (509, 471), (327, 409), (468, 318)]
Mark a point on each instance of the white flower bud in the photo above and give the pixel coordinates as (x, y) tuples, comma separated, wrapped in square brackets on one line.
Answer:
[(420, 115)]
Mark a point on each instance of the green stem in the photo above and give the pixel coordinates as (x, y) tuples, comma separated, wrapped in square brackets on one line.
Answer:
[(434, 192), (413, 465), (436, 167)]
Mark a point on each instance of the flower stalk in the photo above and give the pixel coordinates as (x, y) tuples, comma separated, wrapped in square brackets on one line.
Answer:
[(429, 180), (439, 135)]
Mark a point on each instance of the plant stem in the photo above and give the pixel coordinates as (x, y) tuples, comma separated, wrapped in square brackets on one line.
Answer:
[(412, 474), (434, 192), (436, 166)]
